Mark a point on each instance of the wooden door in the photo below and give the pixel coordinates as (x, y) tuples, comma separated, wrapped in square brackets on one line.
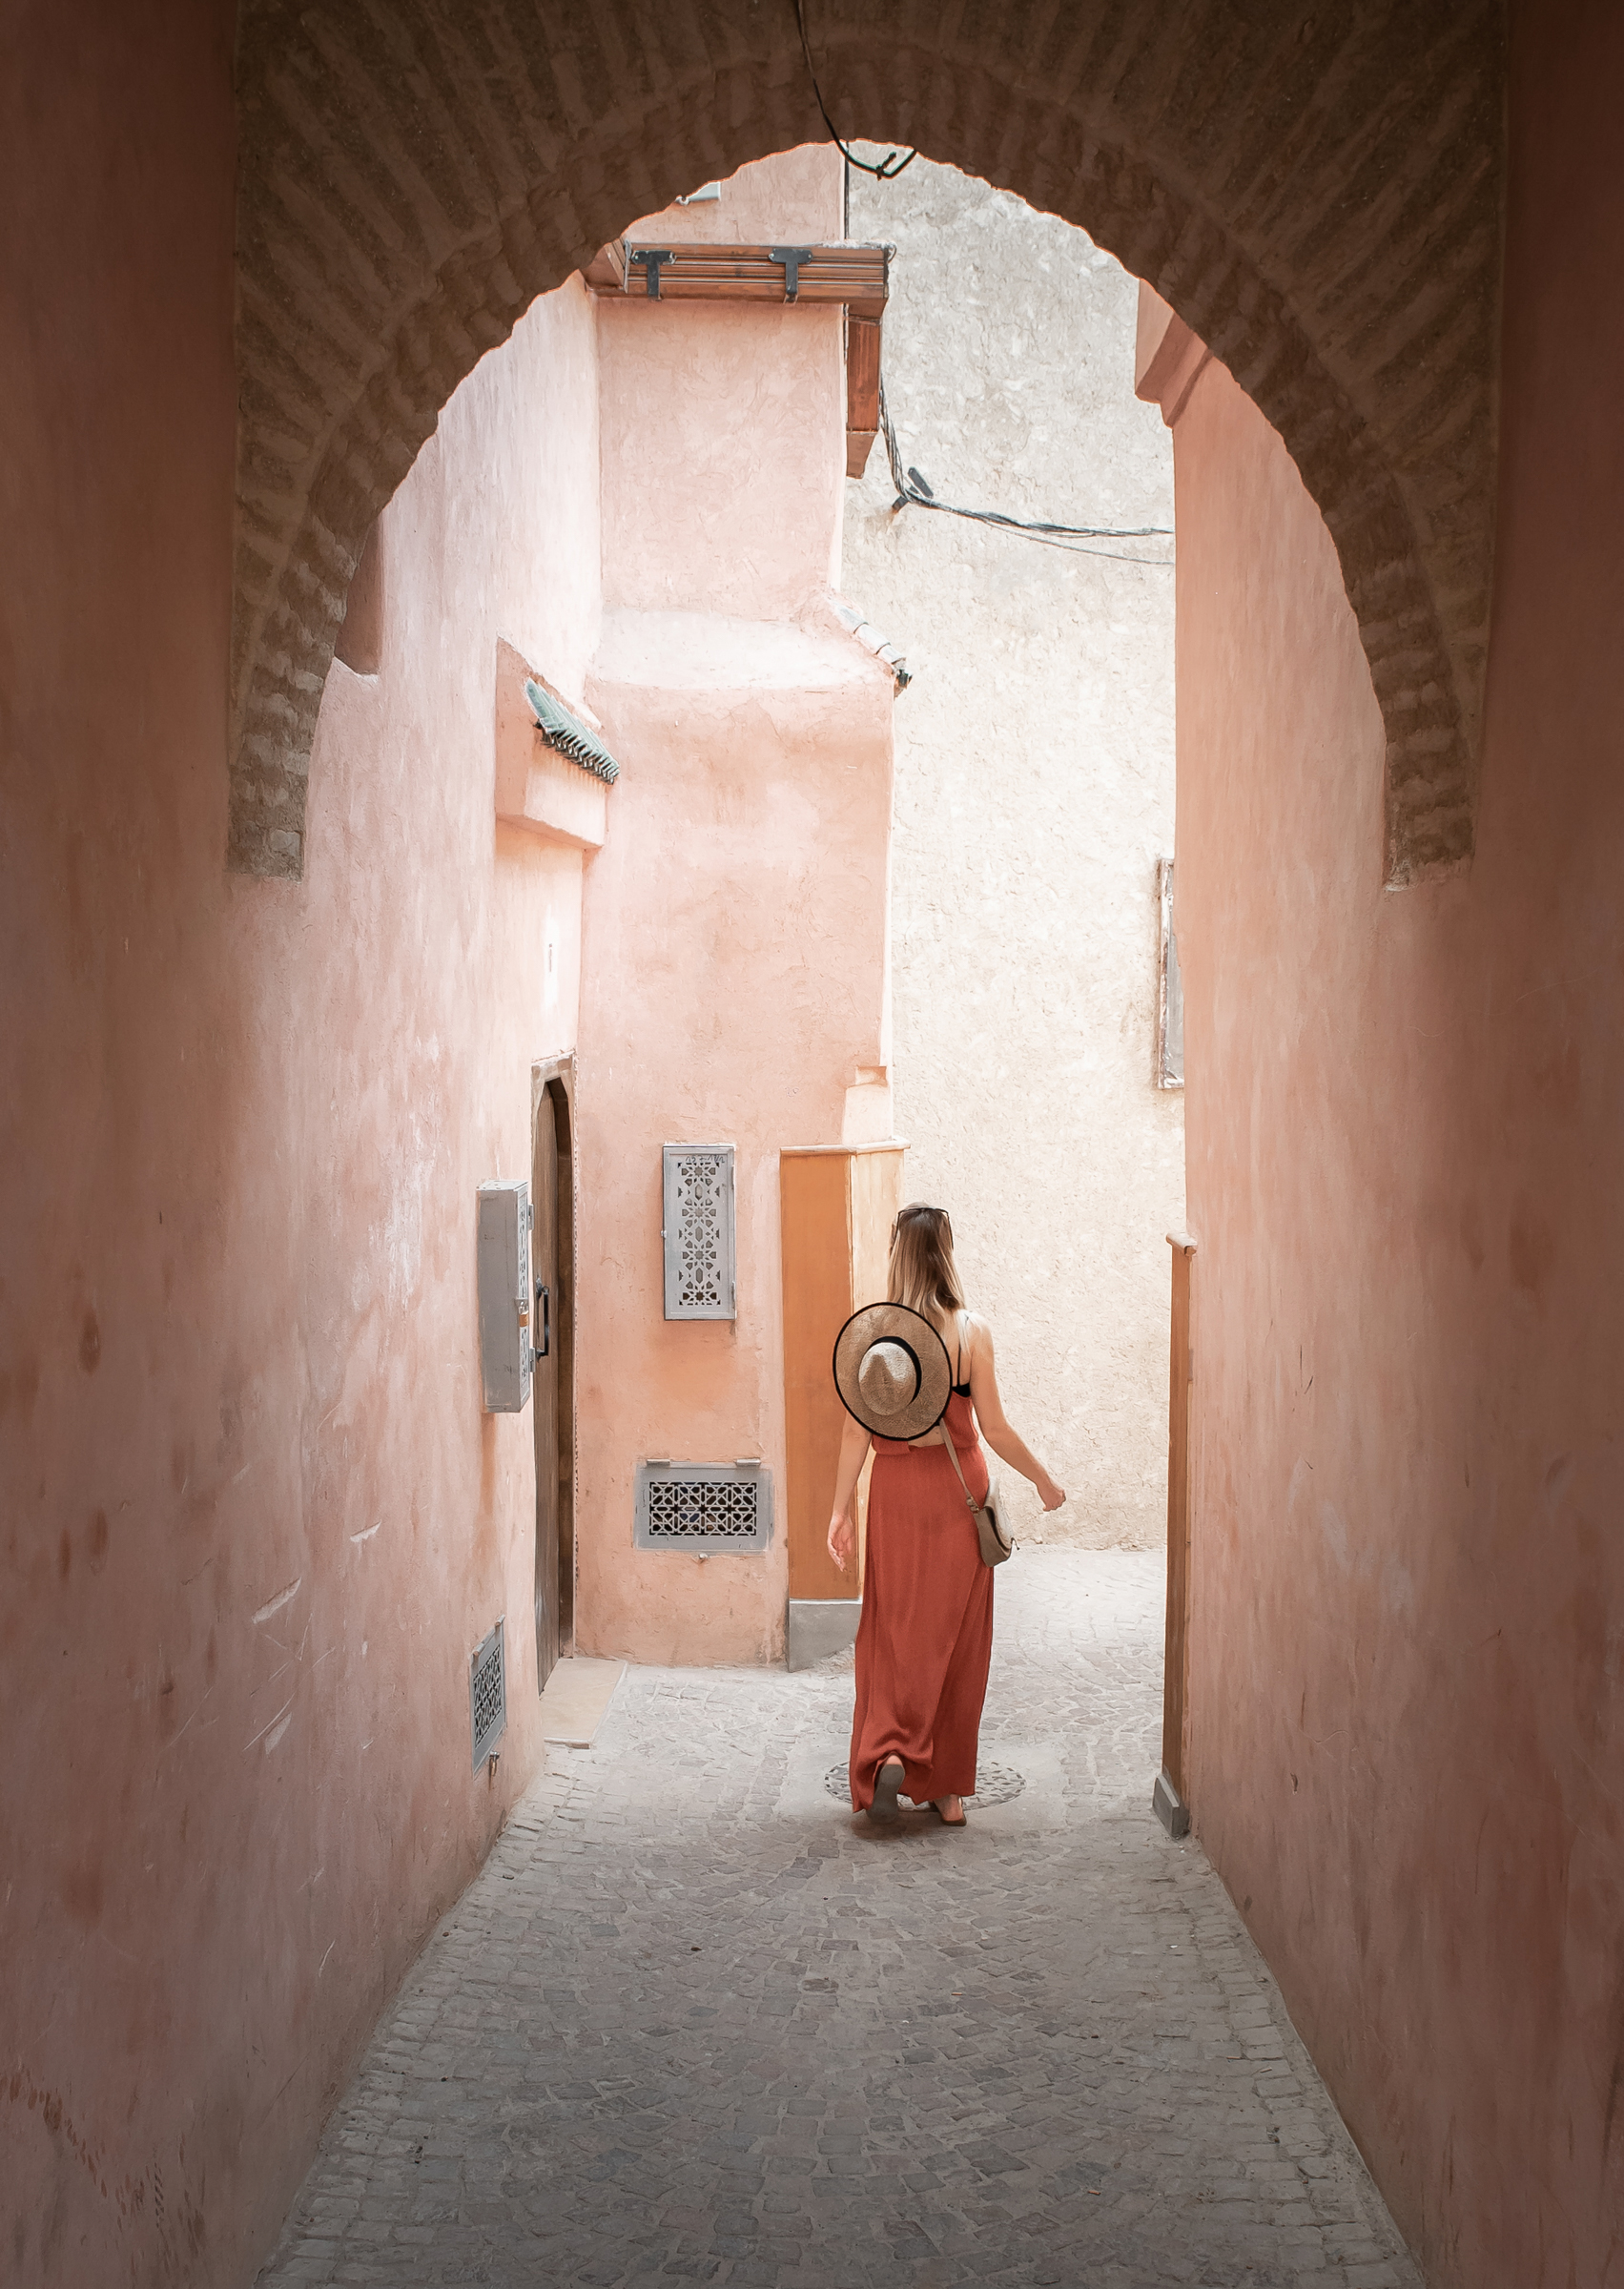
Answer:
[(543, 1385), (1176, 1669), (837, 1204), (562, 1357), (817, 1303)]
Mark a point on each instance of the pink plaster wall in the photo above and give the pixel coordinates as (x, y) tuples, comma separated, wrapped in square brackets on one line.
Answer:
[(252, 1520), (735, 921), (735, 955), (724, 476), (1403, 1113), (253, 1517), (690, 391), (793, 198)]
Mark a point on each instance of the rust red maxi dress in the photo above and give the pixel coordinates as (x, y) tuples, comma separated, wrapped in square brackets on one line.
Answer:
[(925, 1638)]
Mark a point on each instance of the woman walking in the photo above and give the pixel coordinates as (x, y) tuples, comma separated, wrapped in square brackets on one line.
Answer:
[(909, 1373)]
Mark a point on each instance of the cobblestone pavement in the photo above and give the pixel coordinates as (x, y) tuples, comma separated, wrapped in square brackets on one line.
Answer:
[(694, 2022)]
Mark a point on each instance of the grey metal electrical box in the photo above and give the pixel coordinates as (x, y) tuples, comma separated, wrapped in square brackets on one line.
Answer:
[(504, 1294), (698, 1231)]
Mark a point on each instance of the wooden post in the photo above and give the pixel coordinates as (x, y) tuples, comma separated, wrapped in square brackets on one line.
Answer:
[(1169, 1797), (837, 1204)]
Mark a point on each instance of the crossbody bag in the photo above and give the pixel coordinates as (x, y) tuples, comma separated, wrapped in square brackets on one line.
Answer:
[(994, 1535)]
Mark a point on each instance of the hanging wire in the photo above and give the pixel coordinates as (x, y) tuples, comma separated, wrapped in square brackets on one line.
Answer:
[(888, 169), (913, 492)]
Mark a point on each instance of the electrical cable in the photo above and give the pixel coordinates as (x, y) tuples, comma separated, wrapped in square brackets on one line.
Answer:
[(913, 492), (888, 169), (911, 489)]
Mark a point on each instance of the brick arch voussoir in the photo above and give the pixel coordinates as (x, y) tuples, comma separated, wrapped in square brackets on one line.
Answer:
[(379, 261)]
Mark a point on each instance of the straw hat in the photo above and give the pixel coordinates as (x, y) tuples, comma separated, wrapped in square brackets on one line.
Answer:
[(891, 1370)]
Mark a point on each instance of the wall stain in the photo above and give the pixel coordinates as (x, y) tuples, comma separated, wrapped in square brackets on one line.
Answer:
[(1471, 1234), (1531, 1250), (82, 1894), (176, 2220), (20, 1388), (89, 1344), (79, 939), (1616, 2086)]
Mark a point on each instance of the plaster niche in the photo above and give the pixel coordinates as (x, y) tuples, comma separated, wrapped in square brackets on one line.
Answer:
[(539, 788)]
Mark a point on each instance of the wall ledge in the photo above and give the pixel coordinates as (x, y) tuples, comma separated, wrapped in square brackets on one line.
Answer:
[(538, 789)]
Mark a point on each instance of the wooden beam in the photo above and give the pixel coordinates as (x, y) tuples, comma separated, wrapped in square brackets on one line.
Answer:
[(862, 390), (856, 276)]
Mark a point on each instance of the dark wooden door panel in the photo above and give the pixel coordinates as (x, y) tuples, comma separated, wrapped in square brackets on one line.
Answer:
[(545, 1385)]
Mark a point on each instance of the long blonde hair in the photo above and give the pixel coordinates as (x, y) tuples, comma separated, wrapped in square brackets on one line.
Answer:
[(922, 1273)]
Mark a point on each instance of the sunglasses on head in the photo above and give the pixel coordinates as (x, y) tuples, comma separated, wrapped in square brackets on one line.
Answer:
[(938, 1217)]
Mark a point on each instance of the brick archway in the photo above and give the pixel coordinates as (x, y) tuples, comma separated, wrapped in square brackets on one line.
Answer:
[(1319, 196)]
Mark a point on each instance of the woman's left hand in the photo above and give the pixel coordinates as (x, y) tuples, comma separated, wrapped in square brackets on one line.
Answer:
[(1049, 1493), (842, 1538)]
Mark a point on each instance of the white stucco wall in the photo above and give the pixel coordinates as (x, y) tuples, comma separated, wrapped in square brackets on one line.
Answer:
[(1033, 794)]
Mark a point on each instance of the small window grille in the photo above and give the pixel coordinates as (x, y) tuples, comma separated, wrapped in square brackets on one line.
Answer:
[(487, 1695), (704, 1506), (698, 1231)]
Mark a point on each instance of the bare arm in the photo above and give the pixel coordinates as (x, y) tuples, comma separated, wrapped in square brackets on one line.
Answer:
[(855, 1445), (997, 1430)]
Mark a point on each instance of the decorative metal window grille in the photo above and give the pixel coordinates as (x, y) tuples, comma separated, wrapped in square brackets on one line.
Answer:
[(487, 1695), (704, 1506), (698, 1231)]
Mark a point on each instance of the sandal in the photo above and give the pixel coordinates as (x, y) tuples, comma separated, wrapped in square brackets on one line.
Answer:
[(946, 1818), (887, 1781)]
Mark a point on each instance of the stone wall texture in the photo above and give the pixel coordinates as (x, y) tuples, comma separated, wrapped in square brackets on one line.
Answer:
[(1319, 196), (1034, 795)]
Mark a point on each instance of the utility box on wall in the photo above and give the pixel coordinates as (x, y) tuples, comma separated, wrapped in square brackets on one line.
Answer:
[(698, 1231), (505, 1299)]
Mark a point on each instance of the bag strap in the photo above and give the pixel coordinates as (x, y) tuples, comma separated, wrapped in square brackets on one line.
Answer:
[(953, 1458)]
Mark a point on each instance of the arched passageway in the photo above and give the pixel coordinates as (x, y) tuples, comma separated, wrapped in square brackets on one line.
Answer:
[(1319, 198), (235, 1351)]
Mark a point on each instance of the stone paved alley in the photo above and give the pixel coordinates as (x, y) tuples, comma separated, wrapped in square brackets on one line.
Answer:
[(695, 2023)]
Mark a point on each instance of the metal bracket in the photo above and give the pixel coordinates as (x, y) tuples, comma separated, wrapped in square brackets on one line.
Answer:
[(792, 257), (652, 258)]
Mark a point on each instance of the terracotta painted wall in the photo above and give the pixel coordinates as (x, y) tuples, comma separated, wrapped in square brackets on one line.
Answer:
[(735, 921), (1403, 1113), (734, 949), (722, 490), (252, 1520)]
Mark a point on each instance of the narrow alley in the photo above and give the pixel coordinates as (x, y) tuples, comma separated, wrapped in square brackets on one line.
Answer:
[(695, 2022)]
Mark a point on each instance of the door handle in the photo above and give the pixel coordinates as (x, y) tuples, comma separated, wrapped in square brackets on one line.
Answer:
[(543, 1301)]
